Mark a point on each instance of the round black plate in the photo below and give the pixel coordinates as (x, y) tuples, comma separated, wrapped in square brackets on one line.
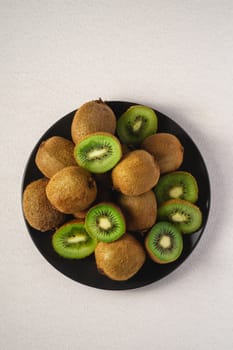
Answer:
[(84, 271)]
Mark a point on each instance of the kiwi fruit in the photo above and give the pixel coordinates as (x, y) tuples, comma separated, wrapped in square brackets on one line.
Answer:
[(38, 211), (72, 241), (185, 215), (140, 211), (71, 189), (91, 117), (167, 150), (177, 184), (164, 243), (98, 152), (105, 222), (136, 124), (137, 173), (54, 154), (120, 260)]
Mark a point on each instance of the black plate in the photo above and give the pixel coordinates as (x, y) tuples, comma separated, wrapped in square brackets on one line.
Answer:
[(84, 271)]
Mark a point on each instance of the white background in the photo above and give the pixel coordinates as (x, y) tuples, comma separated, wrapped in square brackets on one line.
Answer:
[(176, 56)]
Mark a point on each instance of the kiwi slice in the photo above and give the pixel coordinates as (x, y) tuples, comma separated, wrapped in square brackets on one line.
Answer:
[(98, 152), (185, 215), (164, 243), (72, 241), (178, 184), (105, 222), (136, 124)]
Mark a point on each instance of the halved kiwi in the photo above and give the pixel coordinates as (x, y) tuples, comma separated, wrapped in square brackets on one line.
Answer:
[(178, 184), (136, 124), (164, 243), (105, 222), (72, 241), (98, 152), (185, 215)]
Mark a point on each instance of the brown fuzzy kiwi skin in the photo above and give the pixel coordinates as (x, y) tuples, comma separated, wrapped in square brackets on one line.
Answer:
[(104, 194), (120, 260), (167, 150), (72, 189), (54, 154), (81, 214), (91, 117), (137, 173), (38, 211), (140, 211)]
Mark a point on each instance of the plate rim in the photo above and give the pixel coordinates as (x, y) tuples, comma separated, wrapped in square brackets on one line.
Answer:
[(202, 229)]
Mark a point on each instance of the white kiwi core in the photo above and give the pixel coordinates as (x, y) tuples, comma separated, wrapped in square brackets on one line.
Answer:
[(165, 241), (137, 125), (104, 223), (77, 239), (97, 153), (178, 217), (176, 192)]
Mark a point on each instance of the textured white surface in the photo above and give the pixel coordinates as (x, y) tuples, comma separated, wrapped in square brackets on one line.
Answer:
[(173, 55)]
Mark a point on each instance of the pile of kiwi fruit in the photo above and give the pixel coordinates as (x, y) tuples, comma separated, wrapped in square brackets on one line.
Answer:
[(115, 180)]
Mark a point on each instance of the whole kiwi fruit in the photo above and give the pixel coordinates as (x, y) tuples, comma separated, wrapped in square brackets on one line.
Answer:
[(121, 259), (38, 211), (167, 150), (71, 189), (54, 154), (91, 117), (140, 211), (137, 173)]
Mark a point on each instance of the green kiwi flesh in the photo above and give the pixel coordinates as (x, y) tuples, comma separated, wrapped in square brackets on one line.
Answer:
[(164, 243), (185, 215), (178, 184), (136, 124), (105, 222), (72, 241), (98, 152)]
